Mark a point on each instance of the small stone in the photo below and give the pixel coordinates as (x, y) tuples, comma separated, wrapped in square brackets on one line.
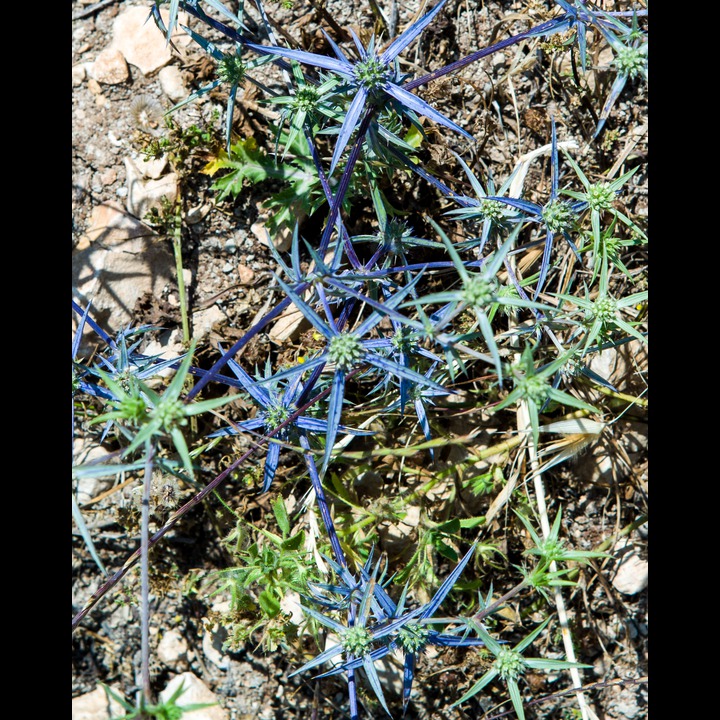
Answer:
[(282, 241), (195, 691), (172, 649), (631, 576), (94, 86), (110, 67), (245, 274), (143, 195), (108, 177), (116, 277), (172, 83), (212, 643), (89, 488), (292, 607), (289, 325), (153, 168), (203, 321), (168, 346), (111, 225), (78, 74), (96, 706), (141, 42)]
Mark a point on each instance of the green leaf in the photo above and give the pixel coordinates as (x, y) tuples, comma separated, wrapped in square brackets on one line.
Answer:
[(269, 603), (281, 516)]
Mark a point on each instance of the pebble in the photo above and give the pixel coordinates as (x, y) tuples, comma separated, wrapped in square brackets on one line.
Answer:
[(172, 649), (141, 42), (95, 705), (110, 67), (116, 277), (172, 83), (203, 321), (631, 576), (78, 74), (146, 194)]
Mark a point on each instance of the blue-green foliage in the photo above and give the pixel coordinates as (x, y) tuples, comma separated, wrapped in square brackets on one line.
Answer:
[(400, 323)]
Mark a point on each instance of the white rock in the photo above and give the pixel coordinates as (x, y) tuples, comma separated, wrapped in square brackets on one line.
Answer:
[(212, 643), (631, 576), (110, 67), (141, 42), (195, 691), (282, 241), (116, 277), (172, 649), (168, 346), (146, 194), (291, 605), (390, 672), (153, 168), (111, 225), (172, 83), (289, 325), (78, 74), (95, 706), (246, 275), (203, 321)]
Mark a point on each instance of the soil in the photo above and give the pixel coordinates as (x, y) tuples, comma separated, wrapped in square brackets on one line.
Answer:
[(601, 492)]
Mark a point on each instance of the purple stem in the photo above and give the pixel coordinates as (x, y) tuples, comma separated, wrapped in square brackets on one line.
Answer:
[(473, 57)]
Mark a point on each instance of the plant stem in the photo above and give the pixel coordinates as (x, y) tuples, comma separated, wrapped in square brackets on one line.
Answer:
[(144, 573), (524, 425), (177, 251)]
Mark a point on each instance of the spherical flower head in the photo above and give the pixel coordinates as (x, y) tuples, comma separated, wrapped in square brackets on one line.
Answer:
[(509, 663), (558, 215), (170, 413), (630, 61), (356, 640), (613, 245), (413, 637), (277, 415), (371, 73), (573, 365), (345, 351), (478, 292), (535, 389), (231, 69), (493, 210), (133, 409), (600, 197), (605, 309), (306, 98)]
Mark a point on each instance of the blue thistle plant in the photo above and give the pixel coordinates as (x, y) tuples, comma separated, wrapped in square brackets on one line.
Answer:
[(393, 627), (374, 79), (556, 216), (349, 351), (276, 409), (232, 70), (535, 386), (480, 292)]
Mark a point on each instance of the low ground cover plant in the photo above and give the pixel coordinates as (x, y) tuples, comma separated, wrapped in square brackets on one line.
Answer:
[(486, 304)]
